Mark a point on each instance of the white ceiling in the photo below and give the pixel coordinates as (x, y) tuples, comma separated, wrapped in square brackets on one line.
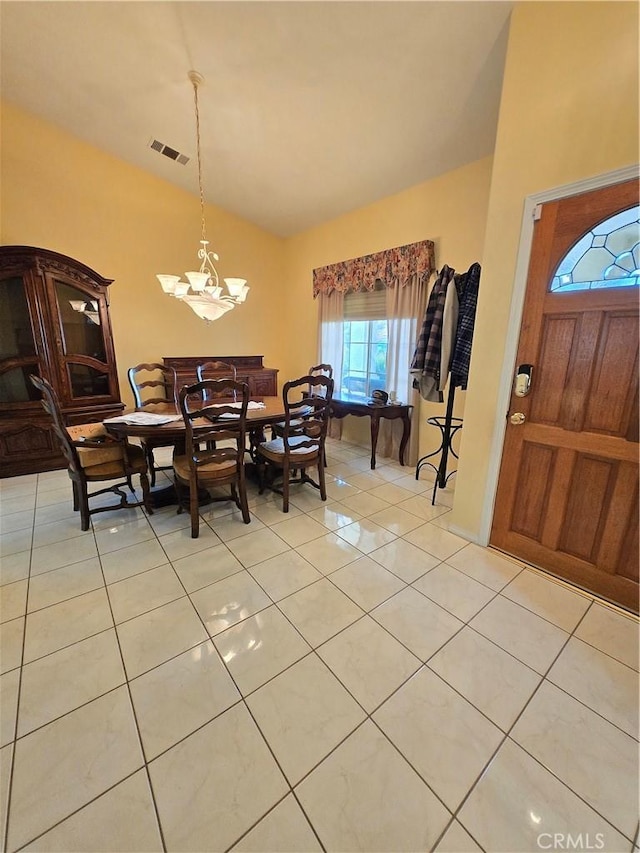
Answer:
[(308, 109)]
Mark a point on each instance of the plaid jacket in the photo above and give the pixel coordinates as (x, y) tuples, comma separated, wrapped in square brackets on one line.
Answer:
[(468, 295), (425, 365)]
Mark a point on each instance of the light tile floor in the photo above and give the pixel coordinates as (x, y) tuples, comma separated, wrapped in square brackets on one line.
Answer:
[(350, 676)]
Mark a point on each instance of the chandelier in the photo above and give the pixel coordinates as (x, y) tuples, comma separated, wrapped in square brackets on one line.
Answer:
[(202, 291)]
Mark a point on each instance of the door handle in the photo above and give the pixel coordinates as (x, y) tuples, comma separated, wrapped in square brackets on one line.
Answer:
[(517, 418), (522, 385)]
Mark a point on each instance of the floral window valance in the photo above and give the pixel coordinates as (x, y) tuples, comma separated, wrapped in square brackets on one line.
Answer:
[(392, 267)]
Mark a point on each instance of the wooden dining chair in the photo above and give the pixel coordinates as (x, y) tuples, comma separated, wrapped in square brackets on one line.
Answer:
[(320, 370), (317, 370), (154, 389), (207, 464), (93, 456), (284, 460), (216, 370)]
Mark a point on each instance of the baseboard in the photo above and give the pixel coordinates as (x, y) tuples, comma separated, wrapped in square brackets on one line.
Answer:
[(466, 534)]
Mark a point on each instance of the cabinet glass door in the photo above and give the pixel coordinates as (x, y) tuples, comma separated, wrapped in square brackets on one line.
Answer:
[(18, 357), (83, 342)]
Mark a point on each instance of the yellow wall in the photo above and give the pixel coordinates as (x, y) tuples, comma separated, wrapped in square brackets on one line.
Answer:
[(569, 111), (60, 193), (450, 210)]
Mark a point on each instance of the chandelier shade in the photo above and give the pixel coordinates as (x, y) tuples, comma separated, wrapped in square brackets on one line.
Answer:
[(202, 291), (207, 307)]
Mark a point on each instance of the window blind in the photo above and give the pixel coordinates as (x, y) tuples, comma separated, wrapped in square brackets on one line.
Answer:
[(365, 305)]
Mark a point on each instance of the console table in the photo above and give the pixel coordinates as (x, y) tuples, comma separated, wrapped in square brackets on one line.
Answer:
[(262, 381), (343, 406)]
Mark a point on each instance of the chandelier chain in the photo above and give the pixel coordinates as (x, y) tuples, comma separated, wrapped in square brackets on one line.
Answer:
[(199, 158)]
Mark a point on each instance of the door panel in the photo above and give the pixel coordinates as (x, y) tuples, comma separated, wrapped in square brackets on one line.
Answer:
[(615, 372), (557, 339), (567, 496), (590, 489), (619, 542), (629, 551), (580, 370), (535, 475)]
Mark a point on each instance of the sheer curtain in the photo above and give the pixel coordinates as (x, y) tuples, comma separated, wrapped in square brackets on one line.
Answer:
[(405, 309), (331, 342)]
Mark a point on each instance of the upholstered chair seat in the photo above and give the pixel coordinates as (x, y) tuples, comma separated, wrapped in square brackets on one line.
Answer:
[(208, 470)]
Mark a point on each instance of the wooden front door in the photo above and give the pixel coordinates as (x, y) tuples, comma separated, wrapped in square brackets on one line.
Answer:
[(567, 498)]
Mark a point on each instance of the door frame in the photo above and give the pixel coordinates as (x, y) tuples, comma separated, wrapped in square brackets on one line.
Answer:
[(616, 176)]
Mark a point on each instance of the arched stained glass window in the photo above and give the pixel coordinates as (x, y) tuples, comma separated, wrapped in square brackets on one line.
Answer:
[(606, 256)]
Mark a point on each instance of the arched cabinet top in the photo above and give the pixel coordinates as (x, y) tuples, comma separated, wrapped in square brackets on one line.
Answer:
[(46, 260)]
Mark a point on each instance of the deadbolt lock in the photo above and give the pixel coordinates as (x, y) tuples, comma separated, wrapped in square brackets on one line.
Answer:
[(517, 418)]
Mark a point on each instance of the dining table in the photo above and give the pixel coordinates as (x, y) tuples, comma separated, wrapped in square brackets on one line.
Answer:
[(270, 410)]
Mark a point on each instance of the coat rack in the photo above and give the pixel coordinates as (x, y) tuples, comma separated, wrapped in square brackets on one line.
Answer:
[(428, 366)]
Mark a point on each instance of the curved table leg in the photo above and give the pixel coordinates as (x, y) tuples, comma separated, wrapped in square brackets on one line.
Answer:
[(406, 431), (375, 427)]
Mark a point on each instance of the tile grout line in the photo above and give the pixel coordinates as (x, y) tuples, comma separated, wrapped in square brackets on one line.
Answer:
[(117, 687), (241, 700), (508, 737), (14, 745), (243, 697), (368, 715), (133, 708)]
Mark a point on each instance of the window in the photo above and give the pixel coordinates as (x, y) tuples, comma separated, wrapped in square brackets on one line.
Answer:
[(368, 337), (606, 256), (365, 341)]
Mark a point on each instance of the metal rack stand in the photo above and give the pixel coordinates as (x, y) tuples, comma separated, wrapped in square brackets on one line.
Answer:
[(448, 427)]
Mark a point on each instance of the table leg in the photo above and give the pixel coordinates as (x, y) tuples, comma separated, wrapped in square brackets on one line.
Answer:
[(256, 437), (406, 430), (164, 496), (168, 496), (375, 426)]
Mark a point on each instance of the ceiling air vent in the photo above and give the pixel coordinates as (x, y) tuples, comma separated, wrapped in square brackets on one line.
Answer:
[(171, 153)]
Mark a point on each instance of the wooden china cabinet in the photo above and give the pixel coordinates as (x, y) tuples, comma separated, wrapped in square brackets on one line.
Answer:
[(54, 322)]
